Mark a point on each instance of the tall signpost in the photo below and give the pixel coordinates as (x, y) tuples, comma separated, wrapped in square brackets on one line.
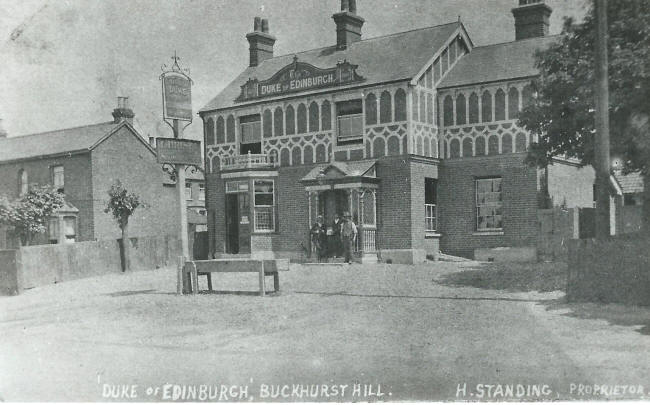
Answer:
[(602, 124), (177, 154)]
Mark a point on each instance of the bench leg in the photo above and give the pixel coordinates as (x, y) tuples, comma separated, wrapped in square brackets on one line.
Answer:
[(276, 281), (209, 281), (262, 289)]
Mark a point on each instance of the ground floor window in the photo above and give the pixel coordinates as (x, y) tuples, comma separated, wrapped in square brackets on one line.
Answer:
[(430, 197), (489, 201), (70, 229), (264, 206)]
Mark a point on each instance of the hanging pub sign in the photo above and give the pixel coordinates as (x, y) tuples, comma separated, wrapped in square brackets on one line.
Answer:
[(177, 96), (179, 151), (299, 76)]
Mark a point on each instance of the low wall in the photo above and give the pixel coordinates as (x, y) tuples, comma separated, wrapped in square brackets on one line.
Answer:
[(506, 254), (49, 264), (613, 270)]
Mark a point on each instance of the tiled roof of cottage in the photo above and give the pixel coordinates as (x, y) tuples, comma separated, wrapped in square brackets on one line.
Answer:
[(382, 59), (493, 63), (630, 183), (54, 142)]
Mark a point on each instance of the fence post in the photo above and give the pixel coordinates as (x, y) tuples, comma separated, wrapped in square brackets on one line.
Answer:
[(179, 275)]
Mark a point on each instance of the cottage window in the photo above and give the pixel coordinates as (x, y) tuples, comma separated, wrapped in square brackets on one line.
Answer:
[(23, 182), (53, 230), (58, 178), (201, 191), (188, 190), (349, 119), (264, 206), (430, 197), (250, 130), (489, 204), (70, 229)]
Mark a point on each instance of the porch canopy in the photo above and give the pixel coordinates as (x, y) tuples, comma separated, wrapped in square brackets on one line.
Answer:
[(357, 183)]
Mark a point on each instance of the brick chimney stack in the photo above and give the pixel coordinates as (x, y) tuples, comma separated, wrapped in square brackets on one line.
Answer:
[(531, 19), (123, 112), (348, 24), (261, 42)]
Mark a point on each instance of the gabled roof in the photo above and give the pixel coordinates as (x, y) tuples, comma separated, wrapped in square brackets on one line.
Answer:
[(492, 63), (630, 183), (69, 140), (382, 59)]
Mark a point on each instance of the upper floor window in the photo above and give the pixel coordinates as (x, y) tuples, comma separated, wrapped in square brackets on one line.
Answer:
[(188, 190), (489, 203), (349, 118), (250, 130), (23, 182), (58, 178), (201, 191)]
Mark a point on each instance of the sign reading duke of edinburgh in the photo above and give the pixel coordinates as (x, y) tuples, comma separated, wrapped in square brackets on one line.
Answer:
[(177, 97), (299, 76), (179, 151)]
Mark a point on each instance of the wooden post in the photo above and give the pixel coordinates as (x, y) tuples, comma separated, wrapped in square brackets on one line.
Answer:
[(195, 279), (262, 290), (179, 276), (180, 188), (602, 124)]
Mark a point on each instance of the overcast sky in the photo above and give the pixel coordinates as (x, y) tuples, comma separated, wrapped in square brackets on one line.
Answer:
[(64, 62)]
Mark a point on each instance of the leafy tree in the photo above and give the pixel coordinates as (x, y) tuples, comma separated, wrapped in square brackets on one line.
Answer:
[(29, 213), (122, 205), (563, 112)]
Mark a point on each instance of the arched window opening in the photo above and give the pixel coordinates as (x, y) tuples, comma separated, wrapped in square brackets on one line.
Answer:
[(527, 96), (220, 131), (473, 108), (326, 116), (414, 105), (230, 129), (467, 147), (314, 117), (486, 106), (385, 107), (506, 143), (520, 142), (448, 113), (290, 121), (423, 108), (302, 118), (429, 108), (461, 114), (371, 109), (278, 118), (209, 131), (513, 103), (454, 148), (500, 105), (493, 145), (479, 148), (400, 105), (23, 182)]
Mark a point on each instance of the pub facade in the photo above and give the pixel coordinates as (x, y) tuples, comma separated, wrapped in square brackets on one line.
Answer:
[(414, 134)]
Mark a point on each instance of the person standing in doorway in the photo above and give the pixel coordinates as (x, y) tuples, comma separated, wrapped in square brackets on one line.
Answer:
[(318, 237), (336, 245), (348, 236)]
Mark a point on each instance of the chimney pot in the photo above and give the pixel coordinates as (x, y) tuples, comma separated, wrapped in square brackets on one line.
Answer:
[(348, 24), (260, 41), (123, 112)]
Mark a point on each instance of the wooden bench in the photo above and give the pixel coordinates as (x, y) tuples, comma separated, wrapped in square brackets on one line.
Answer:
[(195, 268)]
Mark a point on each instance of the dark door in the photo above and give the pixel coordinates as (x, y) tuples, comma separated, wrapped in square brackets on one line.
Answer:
[(232, 223)]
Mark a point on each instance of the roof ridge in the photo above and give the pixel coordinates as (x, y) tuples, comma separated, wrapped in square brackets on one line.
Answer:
[(61, 129), (367, 39), (517, 41)]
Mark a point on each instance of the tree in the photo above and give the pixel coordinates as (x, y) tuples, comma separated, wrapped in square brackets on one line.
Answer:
[(562, 114), (122, 205), (29, 213)]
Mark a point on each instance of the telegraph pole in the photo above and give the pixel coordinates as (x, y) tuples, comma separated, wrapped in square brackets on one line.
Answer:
[(602, 124)]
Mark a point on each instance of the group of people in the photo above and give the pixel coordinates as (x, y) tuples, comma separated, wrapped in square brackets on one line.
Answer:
[(340, 241)]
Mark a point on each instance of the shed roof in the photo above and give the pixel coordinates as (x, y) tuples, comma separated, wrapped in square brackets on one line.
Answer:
[(492, 63), (382, 59), (630, 183)]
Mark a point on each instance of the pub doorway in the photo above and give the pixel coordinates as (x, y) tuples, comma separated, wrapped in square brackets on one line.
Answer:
[(333, 202), (238, 223)]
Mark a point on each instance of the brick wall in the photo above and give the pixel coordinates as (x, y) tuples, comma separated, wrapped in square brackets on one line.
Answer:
[(393, 207), (123, 156), (457, 210), (78, 186)]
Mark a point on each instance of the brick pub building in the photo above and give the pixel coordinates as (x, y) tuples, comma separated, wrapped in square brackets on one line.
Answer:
[(414, 133)]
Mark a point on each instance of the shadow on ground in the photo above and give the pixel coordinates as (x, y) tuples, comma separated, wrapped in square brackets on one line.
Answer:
[(514, 277), (614, 314)]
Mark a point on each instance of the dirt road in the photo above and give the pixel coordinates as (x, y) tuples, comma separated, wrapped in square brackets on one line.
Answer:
[(360, 333)]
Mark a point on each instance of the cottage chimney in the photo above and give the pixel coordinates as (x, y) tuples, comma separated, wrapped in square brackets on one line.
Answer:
[(348, 24), (261, 42), (531, 19), (123, 112)]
